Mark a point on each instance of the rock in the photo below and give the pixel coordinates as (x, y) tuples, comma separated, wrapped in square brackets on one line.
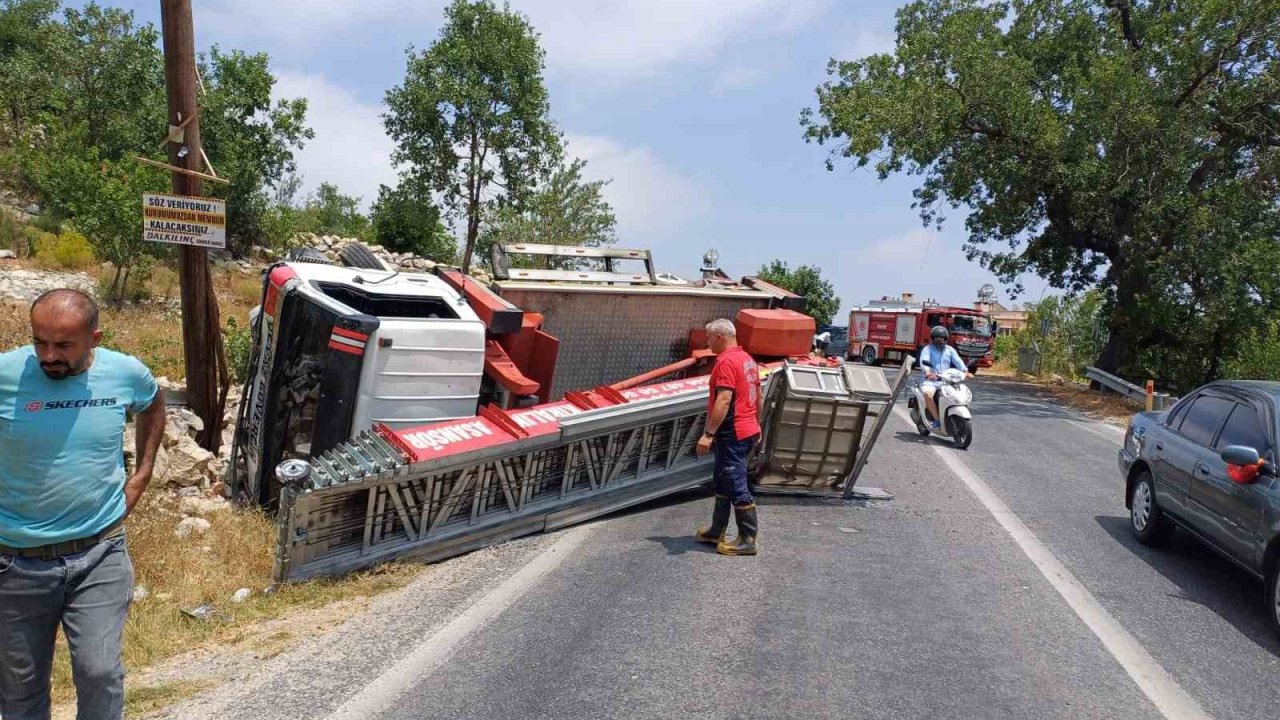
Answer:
[(428, 265), (8, 255), (188, 462), (140, 592), (241, 595), (192, 526), (166, 384), (202, 506), (220, 489), (32, 209), (27, 285)]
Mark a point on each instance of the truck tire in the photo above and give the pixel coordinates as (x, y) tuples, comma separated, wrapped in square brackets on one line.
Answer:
[(868, 355), (357, 255), (1146, 518), (307, 255)]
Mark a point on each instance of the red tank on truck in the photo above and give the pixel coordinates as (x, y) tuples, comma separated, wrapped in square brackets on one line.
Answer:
[(888, 333)]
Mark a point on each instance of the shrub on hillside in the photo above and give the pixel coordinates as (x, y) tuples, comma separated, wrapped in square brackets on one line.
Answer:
[(238, 341), (70, 251), (12, 233)]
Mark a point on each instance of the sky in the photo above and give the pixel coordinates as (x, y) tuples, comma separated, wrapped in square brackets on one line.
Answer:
[(690, 107)]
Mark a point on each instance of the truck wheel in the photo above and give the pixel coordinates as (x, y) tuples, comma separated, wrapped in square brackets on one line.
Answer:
[(869, 355), (1149, 524), (357, 255), (308, 255)]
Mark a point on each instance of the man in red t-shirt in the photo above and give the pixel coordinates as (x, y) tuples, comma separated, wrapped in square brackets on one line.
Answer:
[(731, 431)]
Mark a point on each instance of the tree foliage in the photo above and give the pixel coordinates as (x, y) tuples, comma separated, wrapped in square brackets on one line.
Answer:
[(1131, 145), (405, 220), (252, 138), (471, 119), (82, 91), (564, 209), (820, 300)]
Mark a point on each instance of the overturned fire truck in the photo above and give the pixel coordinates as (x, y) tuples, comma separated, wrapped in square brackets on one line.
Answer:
[(396, 414)]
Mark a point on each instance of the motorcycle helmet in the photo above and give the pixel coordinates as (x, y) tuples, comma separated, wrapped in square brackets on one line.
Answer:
[(939, 332)]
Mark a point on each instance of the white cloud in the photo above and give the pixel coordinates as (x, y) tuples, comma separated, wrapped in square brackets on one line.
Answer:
[(351, 148), (905, 251), (650, 198), (582, 37), (635, 37)]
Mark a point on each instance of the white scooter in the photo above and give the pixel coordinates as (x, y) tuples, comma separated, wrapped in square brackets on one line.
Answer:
[(953, 398)]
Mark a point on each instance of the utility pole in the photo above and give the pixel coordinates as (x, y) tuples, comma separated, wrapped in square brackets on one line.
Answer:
[(201, 337)]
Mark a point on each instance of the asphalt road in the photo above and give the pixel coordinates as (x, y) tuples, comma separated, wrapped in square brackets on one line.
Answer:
[(926, 606)]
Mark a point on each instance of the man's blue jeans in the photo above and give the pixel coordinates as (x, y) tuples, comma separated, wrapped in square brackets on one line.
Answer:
[(88, 594), (731, 467)]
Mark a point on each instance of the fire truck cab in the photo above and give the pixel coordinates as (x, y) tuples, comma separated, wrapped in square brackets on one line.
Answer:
[(891, 333)]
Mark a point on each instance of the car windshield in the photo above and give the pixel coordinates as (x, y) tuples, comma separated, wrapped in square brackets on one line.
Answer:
[(971, 324)]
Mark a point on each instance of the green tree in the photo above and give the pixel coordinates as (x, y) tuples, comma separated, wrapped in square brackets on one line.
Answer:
[(31, 46), (820, 300), (113, 74), (563, 210), (405, 220), (329, 212), (1129, 145), (104, 201), (470, 120), (250, 139)]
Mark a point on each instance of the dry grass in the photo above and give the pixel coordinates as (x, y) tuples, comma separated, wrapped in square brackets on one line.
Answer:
[(179, 575), (1076, 395)]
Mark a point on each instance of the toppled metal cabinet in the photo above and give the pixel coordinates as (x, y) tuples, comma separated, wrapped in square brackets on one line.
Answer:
[(820, 423)]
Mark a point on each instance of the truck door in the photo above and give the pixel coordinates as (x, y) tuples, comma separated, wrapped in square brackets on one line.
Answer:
[(905, 329), (1235, 509)]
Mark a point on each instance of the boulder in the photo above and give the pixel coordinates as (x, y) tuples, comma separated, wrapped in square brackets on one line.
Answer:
[(202, 506), (192, 526), (8, 255), (188, 463)]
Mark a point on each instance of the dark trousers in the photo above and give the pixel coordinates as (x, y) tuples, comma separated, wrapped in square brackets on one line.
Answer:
[(87, 594), (731, 467)]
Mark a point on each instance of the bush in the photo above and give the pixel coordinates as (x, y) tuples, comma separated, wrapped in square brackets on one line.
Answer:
[(12, 233), (70, 251), (238, 342), (1258, 359), (1006, 348)]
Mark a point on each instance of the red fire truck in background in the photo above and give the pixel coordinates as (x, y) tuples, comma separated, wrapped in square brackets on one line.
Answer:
[(890, 333)]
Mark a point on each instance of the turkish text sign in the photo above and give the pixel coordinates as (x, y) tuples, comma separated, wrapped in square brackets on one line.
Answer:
[(183, 220)]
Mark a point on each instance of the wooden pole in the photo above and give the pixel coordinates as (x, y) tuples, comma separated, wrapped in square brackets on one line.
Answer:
[(200, 332)]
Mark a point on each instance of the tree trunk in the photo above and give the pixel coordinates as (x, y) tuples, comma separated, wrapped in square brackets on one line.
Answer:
[(115, 283), (1117, 353)]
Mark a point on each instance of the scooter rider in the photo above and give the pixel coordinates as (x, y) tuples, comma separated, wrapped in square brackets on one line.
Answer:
[(941, 356)]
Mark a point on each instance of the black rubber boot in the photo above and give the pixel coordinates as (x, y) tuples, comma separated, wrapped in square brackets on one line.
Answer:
[(748, 529), (719, 523)]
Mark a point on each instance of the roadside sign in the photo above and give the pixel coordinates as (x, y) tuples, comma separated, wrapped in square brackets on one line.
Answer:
[(184, 220)]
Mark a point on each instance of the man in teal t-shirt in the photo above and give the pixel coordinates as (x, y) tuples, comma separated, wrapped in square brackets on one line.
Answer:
[(63, 500)]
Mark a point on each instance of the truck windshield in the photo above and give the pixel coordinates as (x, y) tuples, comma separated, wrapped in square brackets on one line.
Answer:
[(977, 324)]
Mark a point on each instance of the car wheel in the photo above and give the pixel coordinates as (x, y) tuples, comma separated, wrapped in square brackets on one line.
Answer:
[(1145, 516), (869, 355), (1273, 595)]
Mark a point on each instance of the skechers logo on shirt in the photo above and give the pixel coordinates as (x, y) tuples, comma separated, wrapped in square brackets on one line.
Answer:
[(70, 404)]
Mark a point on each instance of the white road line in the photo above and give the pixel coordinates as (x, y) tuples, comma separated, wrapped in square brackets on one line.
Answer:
[(431, 653), (1164, 692)]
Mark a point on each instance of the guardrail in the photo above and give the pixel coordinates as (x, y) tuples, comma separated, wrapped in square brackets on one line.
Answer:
[(1153, 400)]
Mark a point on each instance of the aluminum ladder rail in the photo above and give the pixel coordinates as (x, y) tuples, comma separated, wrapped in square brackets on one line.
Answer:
[(363, 503)]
